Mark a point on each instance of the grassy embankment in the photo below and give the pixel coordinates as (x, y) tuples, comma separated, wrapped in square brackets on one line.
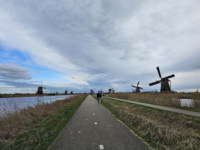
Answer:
[(161, 129), (37, 127), (170, 99)]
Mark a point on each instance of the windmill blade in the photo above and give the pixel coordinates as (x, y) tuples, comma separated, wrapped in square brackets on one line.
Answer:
[(141, 88), (133, 86), (153, 83), (159, 72), (138, 83), (171, 76)]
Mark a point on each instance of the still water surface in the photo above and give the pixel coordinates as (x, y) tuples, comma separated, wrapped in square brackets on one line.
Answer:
[(17, 103), (186, 102)]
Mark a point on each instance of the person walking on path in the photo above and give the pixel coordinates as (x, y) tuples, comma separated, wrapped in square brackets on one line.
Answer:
[(99, 97)]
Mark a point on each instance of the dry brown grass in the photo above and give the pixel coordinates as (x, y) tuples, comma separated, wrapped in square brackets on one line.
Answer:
[(170, 99), (165, 130), (18, 122)]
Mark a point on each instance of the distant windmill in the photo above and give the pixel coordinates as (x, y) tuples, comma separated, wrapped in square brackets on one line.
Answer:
[(109, 90), (137, 88), (164, 82), (113, 91), (40, 89), (66, 91)]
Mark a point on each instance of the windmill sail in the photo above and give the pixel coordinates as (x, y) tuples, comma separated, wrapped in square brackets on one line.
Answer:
[(159, 72), (153, 83), (171, 76)]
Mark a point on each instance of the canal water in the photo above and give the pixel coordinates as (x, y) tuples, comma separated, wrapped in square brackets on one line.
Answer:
[(17, 103), (186, 102)]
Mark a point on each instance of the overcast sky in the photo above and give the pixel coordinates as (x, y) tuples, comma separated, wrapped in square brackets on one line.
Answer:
[(95, 44)]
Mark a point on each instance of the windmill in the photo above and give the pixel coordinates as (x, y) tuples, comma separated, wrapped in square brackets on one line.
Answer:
[(113, 91), (137, 88), (109, 90), (40, 89), (66, 91), (164, 82)]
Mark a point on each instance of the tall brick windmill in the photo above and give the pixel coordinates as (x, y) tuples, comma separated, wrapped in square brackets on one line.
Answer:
[(165, 86), (137, 88)]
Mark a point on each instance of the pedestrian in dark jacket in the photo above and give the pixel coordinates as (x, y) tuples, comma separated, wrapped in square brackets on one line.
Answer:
[(99, 97)]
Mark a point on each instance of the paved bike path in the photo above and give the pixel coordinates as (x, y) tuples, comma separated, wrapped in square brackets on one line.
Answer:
[(181, 111), (93, 128)]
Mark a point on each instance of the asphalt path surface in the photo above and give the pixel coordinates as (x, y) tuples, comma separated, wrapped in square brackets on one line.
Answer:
[(93, 127), (181, 111)]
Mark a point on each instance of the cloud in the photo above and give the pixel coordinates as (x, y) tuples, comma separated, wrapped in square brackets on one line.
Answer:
[(13, 72), (106, 42), (12, 86)]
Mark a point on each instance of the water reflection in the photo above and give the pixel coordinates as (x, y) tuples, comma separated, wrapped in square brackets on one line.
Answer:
[(17, 103), (186, 102)]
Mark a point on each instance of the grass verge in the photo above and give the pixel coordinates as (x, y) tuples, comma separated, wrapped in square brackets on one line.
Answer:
[(164, 99), (41, 131), (161, 129)]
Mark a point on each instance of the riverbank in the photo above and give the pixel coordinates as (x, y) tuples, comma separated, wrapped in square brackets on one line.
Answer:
[(161, 129), (37, 127)]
